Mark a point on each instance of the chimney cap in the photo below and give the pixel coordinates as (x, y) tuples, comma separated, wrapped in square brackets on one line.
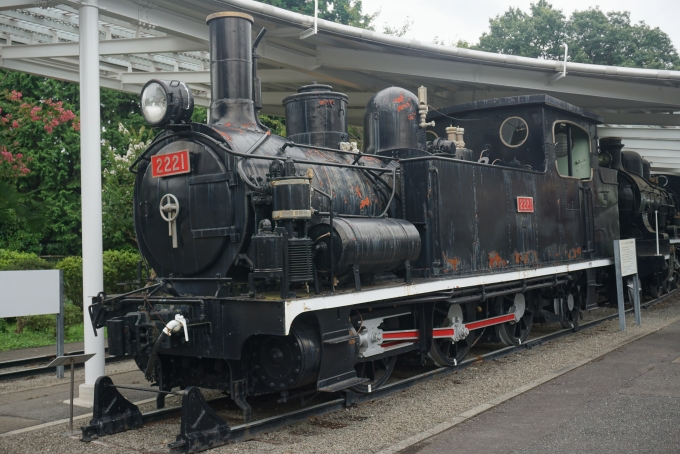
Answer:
[(230, 14)]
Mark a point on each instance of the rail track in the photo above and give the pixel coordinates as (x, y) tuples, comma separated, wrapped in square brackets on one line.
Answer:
[(36, 365), (242, 432)]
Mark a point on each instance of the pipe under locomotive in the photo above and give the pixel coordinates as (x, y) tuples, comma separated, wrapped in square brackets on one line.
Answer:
[(302, 263)]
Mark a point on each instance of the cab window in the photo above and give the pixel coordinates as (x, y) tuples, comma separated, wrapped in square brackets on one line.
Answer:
[(572, 148)]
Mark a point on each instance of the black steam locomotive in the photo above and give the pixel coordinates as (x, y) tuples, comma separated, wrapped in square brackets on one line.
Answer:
[(302, 264)]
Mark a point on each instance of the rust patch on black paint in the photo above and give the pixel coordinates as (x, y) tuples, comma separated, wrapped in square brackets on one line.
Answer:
[(224, 134), (495, 260), (454, 262), (574, 253), (326, 102), (525, 258), (411, 116), (365, 202), (402, 103)]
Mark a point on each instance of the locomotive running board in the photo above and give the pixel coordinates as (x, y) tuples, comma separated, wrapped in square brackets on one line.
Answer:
[(295, 307)]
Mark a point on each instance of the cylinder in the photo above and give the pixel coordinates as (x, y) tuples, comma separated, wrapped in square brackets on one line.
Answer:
[(391, 121), (612, 146), (291, 199), (316, 115), (373, 244), (231, 68)]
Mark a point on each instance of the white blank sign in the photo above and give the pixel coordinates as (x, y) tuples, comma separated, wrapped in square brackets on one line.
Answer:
[(24, 293), (628, 257)]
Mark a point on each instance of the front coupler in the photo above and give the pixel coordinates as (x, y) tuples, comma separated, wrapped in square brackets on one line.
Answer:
[(200, 428)]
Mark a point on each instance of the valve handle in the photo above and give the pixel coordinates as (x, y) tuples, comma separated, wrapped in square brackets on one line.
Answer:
[(183, 322), (169, 204)]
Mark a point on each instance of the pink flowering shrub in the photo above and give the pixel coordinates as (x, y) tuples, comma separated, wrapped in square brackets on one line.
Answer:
[(12, 165), (21, 117)]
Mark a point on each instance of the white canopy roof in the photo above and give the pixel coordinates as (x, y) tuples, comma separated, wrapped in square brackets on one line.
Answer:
[(168, 39)]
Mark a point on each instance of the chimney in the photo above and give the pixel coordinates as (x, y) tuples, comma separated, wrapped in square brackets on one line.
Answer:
[(231, 68)]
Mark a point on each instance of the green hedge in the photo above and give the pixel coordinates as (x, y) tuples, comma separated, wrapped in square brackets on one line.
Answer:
[(48, 323), (119, 266), (14, 260)]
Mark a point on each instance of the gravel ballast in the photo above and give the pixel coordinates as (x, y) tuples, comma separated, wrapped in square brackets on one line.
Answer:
[(380, 424)]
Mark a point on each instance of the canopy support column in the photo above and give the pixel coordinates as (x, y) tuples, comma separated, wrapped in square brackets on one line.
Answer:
[(91, 189)]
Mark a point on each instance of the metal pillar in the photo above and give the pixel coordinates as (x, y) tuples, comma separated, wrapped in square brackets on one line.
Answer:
[(91, 186), (60, 324)]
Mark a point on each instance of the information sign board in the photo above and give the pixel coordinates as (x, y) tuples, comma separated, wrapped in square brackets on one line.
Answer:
[(24, 293), (628, 257)]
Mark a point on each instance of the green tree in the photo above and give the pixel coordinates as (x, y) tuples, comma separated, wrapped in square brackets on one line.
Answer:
[(593, 37), (400, 30), (54, 151), (28, 135), (538, 34), (118, 186), (611, 39), (348, 12)]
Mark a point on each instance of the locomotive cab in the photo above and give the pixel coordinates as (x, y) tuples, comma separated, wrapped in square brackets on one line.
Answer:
[(528, 184)]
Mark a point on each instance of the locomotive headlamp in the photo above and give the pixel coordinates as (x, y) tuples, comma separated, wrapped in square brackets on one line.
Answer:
[(164, 102)]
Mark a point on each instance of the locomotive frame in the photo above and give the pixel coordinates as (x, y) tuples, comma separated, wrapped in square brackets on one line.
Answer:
[(302, 265)]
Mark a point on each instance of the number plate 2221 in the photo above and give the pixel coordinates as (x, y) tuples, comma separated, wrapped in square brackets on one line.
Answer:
[(164, 165)]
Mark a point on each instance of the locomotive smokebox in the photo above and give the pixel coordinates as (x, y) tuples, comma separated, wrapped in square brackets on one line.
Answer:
[(231, 68), (391, 121), (316, 115)]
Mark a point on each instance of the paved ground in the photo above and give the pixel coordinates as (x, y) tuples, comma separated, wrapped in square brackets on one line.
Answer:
[(36, 406), (627, 401)]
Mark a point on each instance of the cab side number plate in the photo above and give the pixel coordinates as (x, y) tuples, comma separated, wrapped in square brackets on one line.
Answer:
[(525, 204), (164, 165)]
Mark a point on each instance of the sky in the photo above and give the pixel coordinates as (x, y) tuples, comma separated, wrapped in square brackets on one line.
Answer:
[(451, 20)]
